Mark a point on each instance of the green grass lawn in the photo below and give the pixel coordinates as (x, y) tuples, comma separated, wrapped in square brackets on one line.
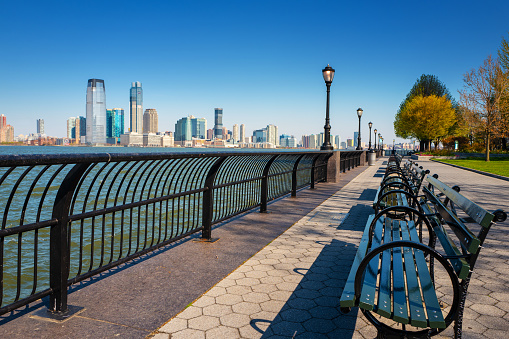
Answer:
[(498, 166)]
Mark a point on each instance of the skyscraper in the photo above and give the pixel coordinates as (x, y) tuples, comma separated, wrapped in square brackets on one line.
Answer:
[(183, 129), (272, 135), (96, 112), (71, 128), (218, 123), (114, 122), (82, 128), (235, 136), (242, 133), (40, 126), (136, 107), (198, 127), (150, 121)]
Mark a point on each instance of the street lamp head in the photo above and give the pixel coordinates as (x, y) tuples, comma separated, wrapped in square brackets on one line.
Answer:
[(328, 74), (375, 132), (379, 135), (370, 124), (359, 112)]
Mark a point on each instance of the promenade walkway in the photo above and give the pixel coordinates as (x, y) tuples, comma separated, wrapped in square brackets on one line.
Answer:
[(291, 287)]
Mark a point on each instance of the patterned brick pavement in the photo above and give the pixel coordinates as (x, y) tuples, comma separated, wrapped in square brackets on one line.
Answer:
[(291, 287)]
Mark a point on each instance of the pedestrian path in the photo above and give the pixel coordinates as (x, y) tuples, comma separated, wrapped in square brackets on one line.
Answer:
[(291, 287)]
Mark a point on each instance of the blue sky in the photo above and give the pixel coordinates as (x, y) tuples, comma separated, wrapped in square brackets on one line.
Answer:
[(260, 61)]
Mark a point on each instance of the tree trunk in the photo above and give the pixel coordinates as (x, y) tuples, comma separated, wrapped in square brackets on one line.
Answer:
[(487, 146)]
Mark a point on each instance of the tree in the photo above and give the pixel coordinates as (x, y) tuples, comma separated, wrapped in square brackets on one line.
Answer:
[(426, 118), (484, 101), (503, 55), (426, 85)]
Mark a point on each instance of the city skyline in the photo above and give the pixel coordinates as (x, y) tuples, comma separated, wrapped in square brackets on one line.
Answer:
[(267, 68)]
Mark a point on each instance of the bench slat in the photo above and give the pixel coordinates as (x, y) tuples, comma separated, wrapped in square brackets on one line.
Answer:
[(384, 294), (367, 298), (348, 295), (465, 236), (400, 305), (417, 315), (460, 265), (479, 214), (435, 316)]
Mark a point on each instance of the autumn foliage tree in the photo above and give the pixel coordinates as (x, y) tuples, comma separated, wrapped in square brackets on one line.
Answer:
[(426, 86), (426, 118), (483, 100)]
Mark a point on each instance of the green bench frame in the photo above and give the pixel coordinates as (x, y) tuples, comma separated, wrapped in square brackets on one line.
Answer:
[(391, 275)]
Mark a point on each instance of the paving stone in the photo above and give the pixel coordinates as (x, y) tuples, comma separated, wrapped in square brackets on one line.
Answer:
[(221, 332), (235, 320), (161, 336), (217, 310), (246, 308), (203, 323), (239, 290), (188, 333), (204, 301), (488, 310), (272, 305), (190, 312), (264, 288), (295, 315), (175, 325), (256, 297), (228, 299)]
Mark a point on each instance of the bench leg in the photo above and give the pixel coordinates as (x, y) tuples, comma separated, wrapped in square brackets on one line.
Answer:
[(458, 320)]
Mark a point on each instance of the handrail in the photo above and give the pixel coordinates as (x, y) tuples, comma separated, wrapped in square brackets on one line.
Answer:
[(67, 217)]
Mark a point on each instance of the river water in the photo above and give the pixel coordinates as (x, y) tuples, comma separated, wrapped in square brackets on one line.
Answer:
[(26, 258)]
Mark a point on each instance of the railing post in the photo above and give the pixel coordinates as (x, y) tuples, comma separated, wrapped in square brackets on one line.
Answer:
[(59, 245), (208, 201), (294, 176), (313, 169), (265, 185)]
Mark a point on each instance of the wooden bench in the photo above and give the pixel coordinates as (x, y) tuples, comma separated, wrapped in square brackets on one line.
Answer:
[(392, 276)]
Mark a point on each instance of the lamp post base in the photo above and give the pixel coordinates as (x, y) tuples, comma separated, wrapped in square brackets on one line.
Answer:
[(326, 148)]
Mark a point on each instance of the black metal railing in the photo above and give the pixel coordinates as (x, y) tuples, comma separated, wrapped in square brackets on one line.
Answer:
[(66, 218), (349, 160)]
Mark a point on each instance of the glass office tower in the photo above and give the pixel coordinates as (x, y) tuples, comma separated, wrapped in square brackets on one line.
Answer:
[(218, 123), (96, 112), (136, 108), (114, 122)]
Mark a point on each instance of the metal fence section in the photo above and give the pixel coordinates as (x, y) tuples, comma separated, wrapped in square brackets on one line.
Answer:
[(66, 218)]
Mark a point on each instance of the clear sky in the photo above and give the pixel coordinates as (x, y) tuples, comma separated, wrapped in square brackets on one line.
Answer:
[(260, 61)]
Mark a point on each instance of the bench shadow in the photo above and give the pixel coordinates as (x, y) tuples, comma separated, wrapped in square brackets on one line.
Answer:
[(312, 311)]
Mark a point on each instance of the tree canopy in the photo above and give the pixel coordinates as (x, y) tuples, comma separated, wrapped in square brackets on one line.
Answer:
[(425, 118), (426, 86), (483, 99)]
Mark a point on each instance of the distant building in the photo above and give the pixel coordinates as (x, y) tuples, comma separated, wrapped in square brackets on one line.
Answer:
[(272, 135), (136, 107), (114, 122), (198, 127), (82, 128), (150, 121), (260, 135), (40, 126), (242, 133), (235, 132), (190, 127), (6, 131), (355, 139), (287, 141), (71, 128), (218, 123), (210, 134), (96, 112)]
